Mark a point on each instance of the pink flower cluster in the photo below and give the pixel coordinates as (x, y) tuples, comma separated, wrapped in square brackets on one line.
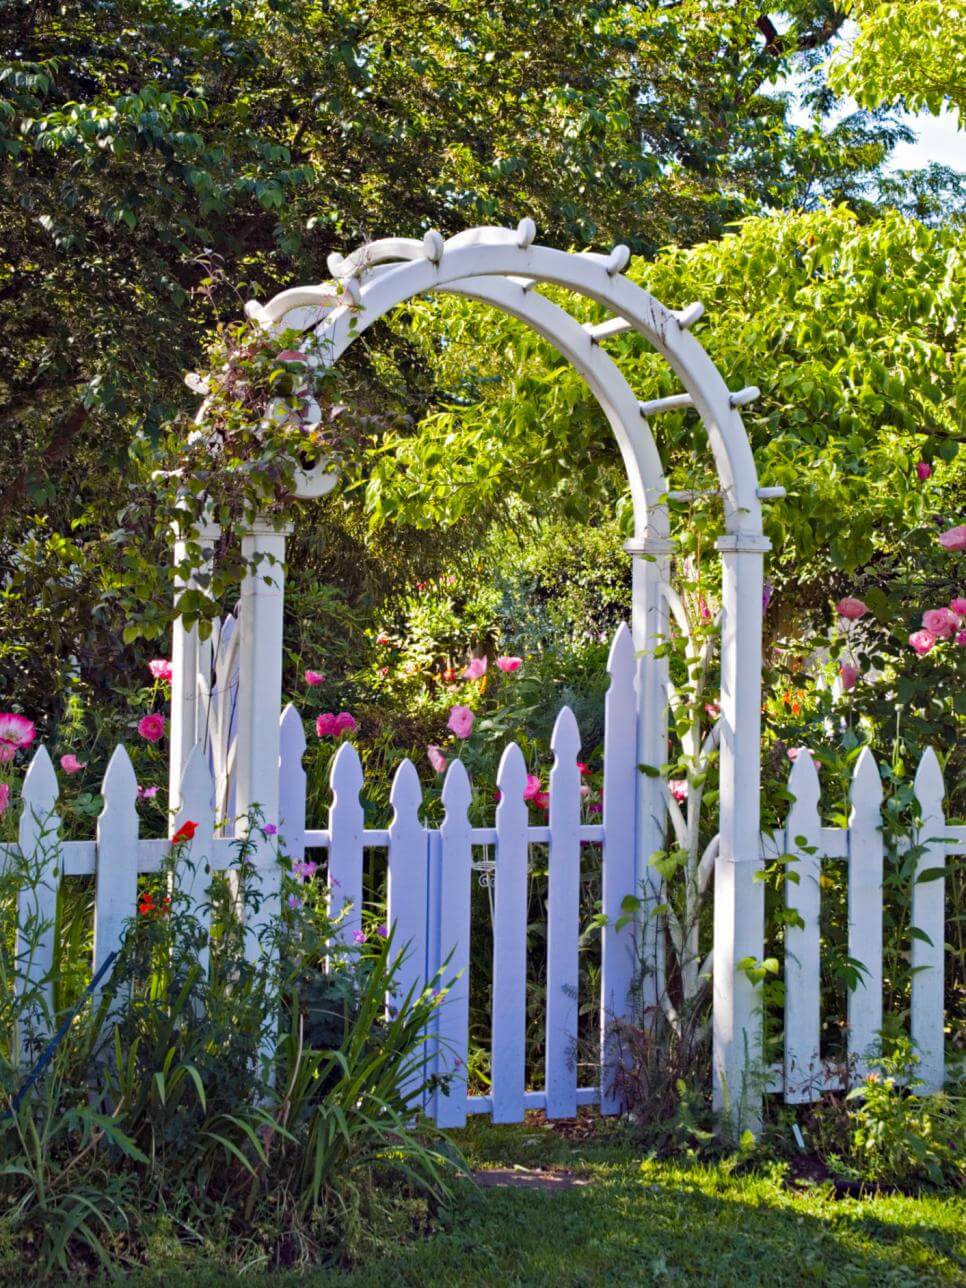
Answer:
[(151, 727), (160, 668), (328, 725), (16, 734), (940, 624)]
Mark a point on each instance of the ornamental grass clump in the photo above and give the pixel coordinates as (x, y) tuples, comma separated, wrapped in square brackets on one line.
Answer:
[(261, 1109)]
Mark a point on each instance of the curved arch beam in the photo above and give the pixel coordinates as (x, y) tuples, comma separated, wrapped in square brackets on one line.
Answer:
[(588, 276)]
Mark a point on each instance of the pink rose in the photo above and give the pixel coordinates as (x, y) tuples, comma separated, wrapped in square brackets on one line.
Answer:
[(160, 668), (152, 727), (849, 676), (147, 793), (678, 787), (344, 723), (792, 754), (958, 606), (461, 721), (436, 758), (314, 678), (924, 469), (851, 609), (922, 641), (532, 788), (940, 622), (476, 669), (16, 733), (325, 725), (291, 355), (584, 791), (542, 800), (71, 765), (961, 638), (509, 663), (954, 538), (4, 797)]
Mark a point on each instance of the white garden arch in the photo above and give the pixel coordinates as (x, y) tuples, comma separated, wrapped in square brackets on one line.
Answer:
[(503, 267)]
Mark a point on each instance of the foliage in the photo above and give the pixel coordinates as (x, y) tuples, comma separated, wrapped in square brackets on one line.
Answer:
[(164, 1101), (913, 52)]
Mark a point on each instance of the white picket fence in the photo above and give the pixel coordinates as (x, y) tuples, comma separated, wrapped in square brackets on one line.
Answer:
[(431, 873)]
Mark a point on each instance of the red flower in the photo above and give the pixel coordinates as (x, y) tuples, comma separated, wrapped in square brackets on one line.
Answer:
[(186, 832)]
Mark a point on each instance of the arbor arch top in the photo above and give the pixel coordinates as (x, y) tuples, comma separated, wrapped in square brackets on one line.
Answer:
[(500, 266)]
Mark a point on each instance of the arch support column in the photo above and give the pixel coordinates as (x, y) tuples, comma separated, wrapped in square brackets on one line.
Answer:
[(189, 657), (739, 906), (650, 572)]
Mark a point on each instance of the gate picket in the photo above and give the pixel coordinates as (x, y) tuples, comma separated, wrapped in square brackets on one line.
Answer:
[(116, 883), (346, 821), (865, 913), (36, 940), (928, 916), (803, 833), (510, 940), (407, 880), (453, 1013), (563, 919), (291, 784), (193, 861)]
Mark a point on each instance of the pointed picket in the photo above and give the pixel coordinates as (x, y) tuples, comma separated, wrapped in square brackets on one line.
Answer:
[(116, 879), (407, 879), (803, 833), (510, 941), (36, 939), (346, 822), (618, 958), (192, 873), (563, 920), (865, 913), (453, 1016), (929, 918), (291, 784)]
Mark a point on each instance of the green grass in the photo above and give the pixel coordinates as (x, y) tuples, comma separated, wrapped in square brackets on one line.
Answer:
[(647, 1222)]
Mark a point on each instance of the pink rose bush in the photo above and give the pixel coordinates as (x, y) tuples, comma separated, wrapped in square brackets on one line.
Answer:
[(954, 538), (851, 608), (160, 668), (328, 725), (16, 734), (940, 622), (507, 664), (314, 678), (460, 721), (532, 788), (922, 641), (476, 669), (71, 765), (151, 727), (958, 606)]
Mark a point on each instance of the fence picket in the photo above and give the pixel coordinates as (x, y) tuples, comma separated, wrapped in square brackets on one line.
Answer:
[(563, 922), (453, 1016), (192, 873), (116, 877), (36, 940), (865, 912), (803, 832), (510, 940), (407, 879), (291, 784), (929, 917), (618, 879), (346, 821)]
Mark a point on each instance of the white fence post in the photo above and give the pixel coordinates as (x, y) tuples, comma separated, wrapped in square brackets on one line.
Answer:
[(116, 873), (346, 822), (192, 873), (739, 904), (36, 940), (509, 1019), (452, 1028), (929, 919), (803, 832), (563, 920), (291, 784), (407, 878), (619, 870), (865, 913)]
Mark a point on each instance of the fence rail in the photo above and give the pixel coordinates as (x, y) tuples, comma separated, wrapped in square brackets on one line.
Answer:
[(430, 876)]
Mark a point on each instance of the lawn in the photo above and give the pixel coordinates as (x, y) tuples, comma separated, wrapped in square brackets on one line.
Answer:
[(639, 1221)]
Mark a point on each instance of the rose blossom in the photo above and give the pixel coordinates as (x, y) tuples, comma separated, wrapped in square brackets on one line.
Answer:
[(922, 641), (851, 609), (325, 725), (461, 721), (4, 797), (476, 669), (71, 765), (314, 678), (954, 538), (147, 793), (961, 638), (532, 788), (940, 622), (152, 727), (436, 758), (160, 668), (958, 606), (542, 800), (509, 663), (849, 676), (678, 788), (345, 723), (924, 469), (16, 733)]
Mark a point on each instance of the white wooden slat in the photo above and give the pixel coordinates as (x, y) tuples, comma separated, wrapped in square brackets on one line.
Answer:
[(865, 912), (618, 957), (803, 831), (116, 885), (510, 940), (563, 926), (192, 874), (345, 845), (455, 873), (407, 880), (291, 784), (36, 938), (929, 916)]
